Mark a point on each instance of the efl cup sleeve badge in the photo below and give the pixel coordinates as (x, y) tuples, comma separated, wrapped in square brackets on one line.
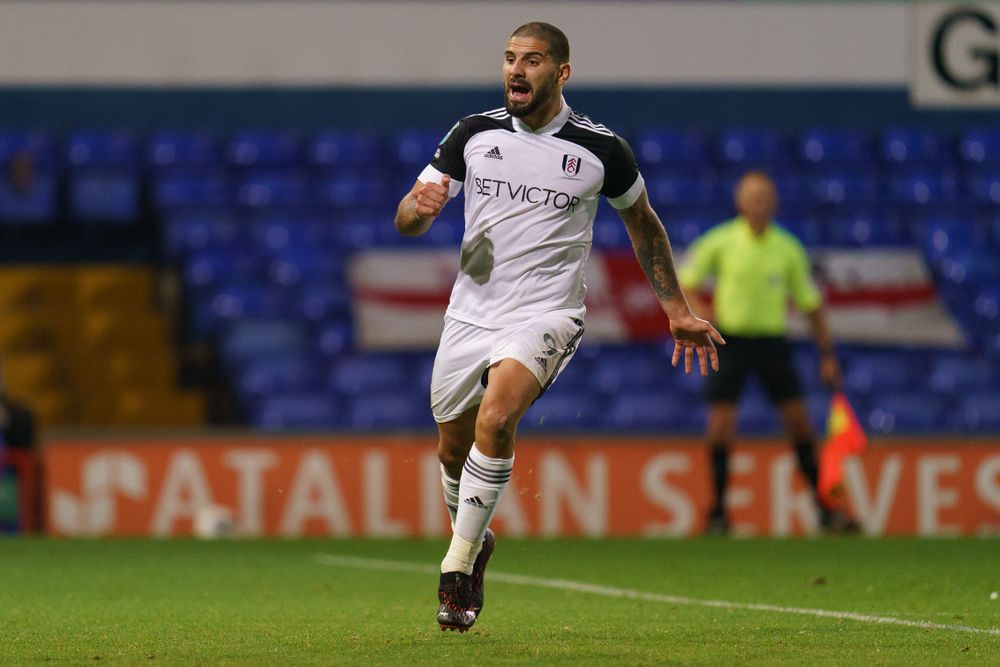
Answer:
[(571, 164)]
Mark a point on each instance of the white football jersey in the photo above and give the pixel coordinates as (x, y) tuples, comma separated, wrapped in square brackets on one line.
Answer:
[(530, 201)]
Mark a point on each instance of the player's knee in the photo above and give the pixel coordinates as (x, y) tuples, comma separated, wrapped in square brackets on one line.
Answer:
[(452, 456), (496, 425)]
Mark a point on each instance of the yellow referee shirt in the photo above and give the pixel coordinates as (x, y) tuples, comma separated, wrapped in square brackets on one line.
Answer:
[(755, 277)]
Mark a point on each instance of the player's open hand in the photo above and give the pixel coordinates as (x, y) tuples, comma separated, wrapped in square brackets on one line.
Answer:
[(693, 335), (432, 197)]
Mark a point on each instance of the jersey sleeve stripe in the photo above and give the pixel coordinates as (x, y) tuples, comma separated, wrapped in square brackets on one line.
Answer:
[(593, 128)]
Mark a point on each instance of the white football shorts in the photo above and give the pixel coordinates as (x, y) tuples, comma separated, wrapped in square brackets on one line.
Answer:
[(543, 345)]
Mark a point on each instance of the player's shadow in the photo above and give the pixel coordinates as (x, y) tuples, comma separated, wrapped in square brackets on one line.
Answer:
[(477, 259)]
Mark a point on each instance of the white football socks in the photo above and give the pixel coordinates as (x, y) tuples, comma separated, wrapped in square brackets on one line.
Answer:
[(450, 488), (483, 482)]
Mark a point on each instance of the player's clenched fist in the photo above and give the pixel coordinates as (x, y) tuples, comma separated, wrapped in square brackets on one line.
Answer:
[(432, 197)]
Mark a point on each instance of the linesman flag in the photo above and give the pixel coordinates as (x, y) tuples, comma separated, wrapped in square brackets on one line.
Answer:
[(844, 437)]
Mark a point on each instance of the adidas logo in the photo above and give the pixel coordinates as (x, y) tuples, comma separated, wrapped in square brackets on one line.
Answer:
[(475, 502), (493, 153), (543, 362)]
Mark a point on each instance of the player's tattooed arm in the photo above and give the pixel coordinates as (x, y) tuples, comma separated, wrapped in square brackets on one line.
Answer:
[(693, 336), (652, 249)]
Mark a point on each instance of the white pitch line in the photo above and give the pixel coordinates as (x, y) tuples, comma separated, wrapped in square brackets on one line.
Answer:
[(613, 592)]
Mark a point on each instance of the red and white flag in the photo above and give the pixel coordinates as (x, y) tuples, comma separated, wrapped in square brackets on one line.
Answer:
[(873, 296)]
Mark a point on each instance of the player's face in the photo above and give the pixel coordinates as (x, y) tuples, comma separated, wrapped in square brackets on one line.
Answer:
[(756, 199), (530, 76)]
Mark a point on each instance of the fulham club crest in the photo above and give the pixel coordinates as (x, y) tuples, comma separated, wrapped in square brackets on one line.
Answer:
[(571, 164)]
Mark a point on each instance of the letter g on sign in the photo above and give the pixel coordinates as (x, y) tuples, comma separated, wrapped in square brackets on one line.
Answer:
[(984, 53)]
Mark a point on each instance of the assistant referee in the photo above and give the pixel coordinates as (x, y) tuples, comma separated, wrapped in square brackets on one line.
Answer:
[(758, 268)]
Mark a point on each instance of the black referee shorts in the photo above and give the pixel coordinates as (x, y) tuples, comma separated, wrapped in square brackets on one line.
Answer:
[(770, 357)]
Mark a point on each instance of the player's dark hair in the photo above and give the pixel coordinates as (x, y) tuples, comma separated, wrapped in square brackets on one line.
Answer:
[(551, 35)]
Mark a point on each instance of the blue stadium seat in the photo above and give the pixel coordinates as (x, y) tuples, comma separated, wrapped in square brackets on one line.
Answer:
[(945, 236), (414, 148), (575, 376), (446, 232), (341, 149), (274, 231), (365, 375), (256, 338), (610, 232), (908, 146), (753, 149), (656, 147), (986, 303), (923, 186), (362, 230), (299, 412), (954, 375), (335, 337), (264, 148), (237, 302), (621, 368), (972, 268), (115, 148), (424, 364), (983, 185), (979, 412), (354, 189), (103, 177), (170, 148), (221, 265), (295, 266), (268, 187), (683, 186), (31, 201), (390, 410), (793, 189), (29, 195), (841, 185), (571, 409), (690, 385), (191, 187), (188, 232), (38, 145), (864, 226), (809, 229), (259, 377), (905, 412), (980, 145), (756, 413), (658, 410), (870, 373), (819, 146), (683, 229)]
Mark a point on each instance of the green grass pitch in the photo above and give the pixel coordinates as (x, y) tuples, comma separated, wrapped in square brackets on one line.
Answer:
[(272, 602)]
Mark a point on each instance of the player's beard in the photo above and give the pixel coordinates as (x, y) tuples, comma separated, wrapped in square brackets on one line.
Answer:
[(539, 95)]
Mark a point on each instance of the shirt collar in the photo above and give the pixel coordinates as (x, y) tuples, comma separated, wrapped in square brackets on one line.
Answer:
[(553, 125), (744, 225)]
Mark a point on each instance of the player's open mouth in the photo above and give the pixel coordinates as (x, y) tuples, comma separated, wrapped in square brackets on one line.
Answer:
[(519, 92)]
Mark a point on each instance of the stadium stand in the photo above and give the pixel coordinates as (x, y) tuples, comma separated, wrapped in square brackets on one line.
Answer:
[(260, 226), (84, 345)]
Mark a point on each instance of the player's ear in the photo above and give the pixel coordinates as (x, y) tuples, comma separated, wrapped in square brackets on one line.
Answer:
[(564, 71)]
